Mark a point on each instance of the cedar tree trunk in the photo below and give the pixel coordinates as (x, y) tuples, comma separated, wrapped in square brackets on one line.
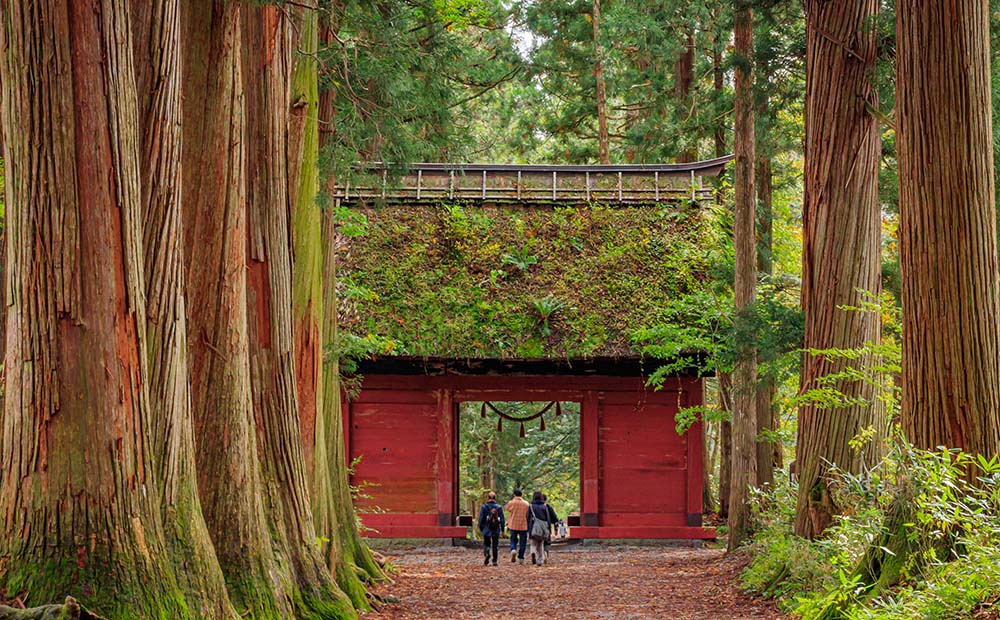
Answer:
[(725, 443), (841, 247), (267, 59), (744, 434), (214, 204), (156, 41), (947, 233), (768, 452), (79, 487), (603, 148)]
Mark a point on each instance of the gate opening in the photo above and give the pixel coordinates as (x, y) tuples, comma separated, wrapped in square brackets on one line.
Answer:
[(533, 446)]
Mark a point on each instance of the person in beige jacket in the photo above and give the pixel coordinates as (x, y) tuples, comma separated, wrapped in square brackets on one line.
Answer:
[(517, 521)]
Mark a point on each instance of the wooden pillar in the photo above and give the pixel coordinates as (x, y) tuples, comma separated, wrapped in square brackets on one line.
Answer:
[(692, 396), (447, 458), (590, 428)]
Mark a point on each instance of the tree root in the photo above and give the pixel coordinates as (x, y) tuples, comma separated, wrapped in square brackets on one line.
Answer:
[(69, 610)]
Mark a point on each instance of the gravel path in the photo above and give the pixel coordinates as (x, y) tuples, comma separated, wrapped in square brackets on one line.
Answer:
[(581, 583)]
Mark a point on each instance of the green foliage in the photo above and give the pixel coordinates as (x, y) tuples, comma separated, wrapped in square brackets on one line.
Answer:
[(508, 282), (949, 561)]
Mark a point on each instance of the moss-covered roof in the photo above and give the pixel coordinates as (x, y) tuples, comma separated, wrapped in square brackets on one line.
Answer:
[(478, 281)]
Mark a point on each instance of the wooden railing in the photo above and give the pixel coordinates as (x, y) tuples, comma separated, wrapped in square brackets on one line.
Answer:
[(563, 184)]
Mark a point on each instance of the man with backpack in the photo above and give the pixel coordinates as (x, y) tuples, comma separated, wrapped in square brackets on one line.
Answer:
[(491, 524)]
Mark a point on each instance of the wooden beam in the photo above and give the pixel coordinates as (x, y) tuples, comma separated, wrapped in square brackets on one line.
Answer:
[(589, 458), (447, 449), (692, 397)]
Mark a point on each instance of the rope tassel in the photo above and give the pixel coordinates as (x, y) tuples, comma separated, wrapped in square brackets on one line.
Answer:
[(542, 426), (522, 429), (482, 412), (558, 412), (499, 425)]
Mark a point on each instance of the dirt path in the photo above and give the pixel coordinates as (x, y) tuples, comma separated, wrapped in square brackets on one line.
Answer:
[(582, 583)]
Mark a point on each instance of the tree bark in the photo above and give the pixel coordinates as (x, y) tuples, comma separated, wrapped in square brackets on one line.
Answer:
[(725, 443), (841, 245), (744, 429), (603, 147), (767, 413), (347, 555), (683, 78), (77, 477), (718, 83), (267, 55), (156, 41), (947, 233), (214, 203)]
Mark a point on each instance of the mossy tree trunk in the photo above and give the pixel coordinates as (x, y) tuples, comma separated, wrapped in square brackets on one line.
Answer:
[(267, 57), (841, 246), (156, 41), (214, 203), (744, 426), (947, 231), (79, 513), (348, 556)]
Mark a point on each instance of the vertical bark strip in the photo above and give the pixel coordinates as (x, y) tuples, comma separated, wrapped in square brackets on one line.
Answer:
[(214, 203), (603, 147), (841, 243), (947, 233), (683, 78), (725, 443), (744, 427), (768, 452), (267, 57), (76, 476), (348, 556), (156, 28)]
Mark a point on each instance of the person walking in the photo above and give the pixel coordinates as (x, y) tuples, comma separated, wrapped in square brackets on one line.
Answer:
[(517, 521), (539, 527), (491, 524)]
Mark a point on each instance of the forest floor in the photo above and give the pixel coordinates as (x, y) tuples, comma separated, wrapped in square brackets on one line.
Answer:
[(582, 582)]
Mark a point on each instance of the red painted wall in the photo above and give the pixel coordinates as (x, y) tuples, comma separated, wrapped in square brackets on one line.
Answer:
[(639, 478)]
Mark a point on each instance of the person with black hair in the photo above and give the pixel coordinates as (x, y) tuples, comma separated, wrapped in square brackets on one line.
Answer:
[(491, 524), (517, 520), (539, 527)]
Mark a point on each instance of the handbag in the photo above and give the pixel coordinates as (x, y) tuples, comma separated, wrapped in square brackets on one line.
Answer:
[(539, 527)]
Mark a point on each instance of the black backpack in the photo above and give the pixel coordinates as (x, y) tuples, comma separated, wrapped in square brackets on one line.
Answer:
[(493, 518)]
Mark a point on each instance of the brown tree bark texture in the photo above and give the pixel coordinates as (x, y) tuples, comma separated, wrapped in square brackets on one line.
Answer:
[(768, 452), (156, 41), (947, 232), (725, 444), (683, 78), (347, 554), (744, 425), (267, 57), (78, 513), (603, 146), (214, 204), (841, 244)]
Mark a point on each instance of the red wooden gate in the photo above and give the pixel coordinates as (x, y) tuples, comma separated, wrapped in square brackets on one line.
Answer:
[(638, 477)]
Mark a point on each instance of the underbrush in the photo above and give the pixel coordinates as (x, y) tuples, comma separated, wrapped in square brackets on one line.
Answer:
[(915, 540)]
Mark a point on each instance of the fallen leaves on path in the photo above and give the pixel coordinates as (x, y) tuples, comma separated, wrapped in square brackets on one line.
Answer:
[(582, 583)]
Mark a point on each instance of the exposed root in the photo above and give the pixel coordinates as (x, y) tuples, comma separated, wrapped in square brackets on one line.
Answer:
[(69, 610)]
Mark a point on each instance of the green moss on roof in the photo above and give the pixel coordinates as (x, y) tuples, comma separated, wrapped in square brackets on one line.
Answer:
[(473, 281)]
